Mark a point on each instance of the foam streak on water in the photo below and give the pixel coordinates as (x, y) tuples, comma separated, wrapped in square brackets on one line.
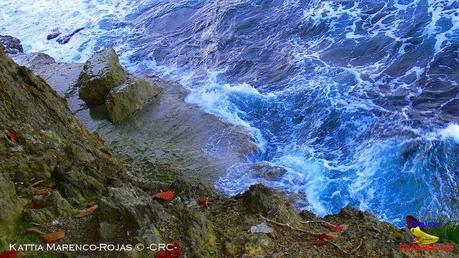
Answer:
[(358, 100)]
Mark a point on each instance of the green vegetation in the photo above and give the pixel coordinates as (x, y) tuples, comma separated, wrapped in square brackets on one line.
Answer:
[(13, 232), (447, 231)]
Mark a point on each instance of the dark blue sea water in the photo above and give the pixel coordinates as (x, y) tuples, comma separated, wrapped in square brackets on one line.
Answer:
[(359, 100)]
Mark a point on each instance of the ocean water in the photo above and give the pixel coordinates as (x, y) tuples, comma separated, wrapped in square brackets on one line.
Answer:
[(358, 100)]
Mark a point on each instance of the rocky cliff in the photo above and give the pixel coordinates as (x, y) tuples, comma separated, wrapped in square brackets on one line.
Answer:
[(57, 177), (42, 142)]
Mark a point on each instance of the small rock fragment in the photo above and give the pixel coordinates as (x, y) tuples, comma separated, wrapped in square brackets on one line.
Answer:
[(54, 34), (65, 39), (261, 228)]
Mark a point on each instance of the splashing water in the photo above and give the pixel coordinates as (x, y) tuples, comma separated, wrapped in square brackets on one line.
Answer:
[(358, 100)]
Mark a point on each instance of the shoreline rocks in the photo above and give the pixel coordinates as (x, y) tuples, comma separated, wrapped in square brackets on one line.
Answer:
[(125, 100), (53, 34), (11, 45), (104, 81), (168, 129), (65, 39), (34, 59), (77, 171), (100, 74)]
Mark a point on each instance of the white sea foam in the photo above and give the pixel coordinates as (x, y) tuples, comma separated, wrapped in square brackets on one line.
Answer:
[(218, 99), (306, 176), (32, 21), (450, 132)]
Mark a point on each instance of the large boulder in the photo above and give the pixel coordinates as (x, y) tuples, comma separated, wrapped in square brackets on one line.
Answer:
[(126, 99), (12, 45), (100, 74)]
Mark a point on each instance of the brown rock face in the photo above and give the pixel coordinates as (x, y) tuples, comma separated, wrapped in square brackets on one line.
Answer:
[(41, 140), (101, 73)]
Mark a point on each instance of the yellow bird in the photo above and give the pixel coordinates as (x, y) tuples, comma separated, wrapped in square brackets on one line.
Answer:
[(422, 237)]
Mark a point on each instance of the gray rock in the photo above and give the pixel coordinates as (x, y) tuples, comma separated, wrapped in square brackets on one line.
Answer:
[(65, 39), (34, 60), (126, 99), (100, 74), (255, 245), (200, 231), (52, 206), (260, 170), (62, 77), (125, 205), (268, 171), (59, 205), (12, 45), (39, 215), (260, 199), (54, 34), (261, 228), (129, 207)]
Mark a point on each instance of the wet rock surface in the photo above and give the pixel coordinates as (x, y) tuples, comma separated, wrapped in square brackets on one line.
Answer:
[(11, 44), (53, 34), (34, 60), (66, 38)]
